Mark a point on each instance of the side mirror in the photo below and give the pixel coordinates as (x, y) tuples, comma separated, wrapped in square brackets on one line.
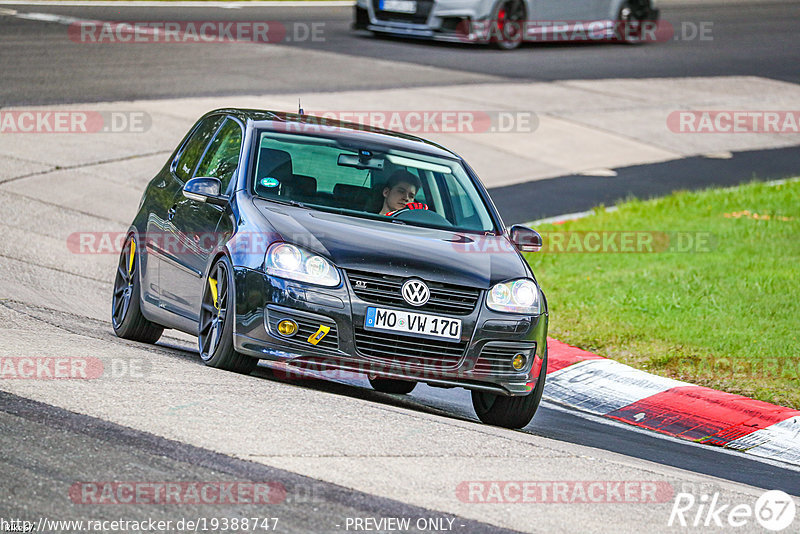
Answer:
[(205, 189), (525, 239)]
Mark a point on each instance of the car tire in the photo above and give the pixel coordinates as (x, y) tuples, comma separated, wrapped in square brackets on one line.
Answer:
[(126, 314), (510, 412), (631, 15), (391, 385), (508, 11), (215, 331)]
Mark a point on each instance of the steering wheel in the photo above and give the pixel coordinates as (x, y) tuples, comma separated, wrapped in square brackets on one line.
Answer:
[(408, 207), (420, 213)]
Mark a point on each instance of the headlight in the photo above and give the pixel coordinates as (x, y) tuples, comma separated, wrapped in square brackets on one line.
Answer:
[(288, 261), (517, 296)]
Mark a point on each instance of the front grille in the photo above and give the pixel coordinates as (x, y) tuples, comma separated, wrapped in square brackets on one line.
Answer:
[(305, 327), (496, 356), (419, 17), (408, 351), (385, 289)]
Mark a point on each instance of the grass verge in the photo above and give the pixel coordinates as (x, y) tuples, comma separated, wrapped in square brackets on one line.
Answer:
[(716, 302)]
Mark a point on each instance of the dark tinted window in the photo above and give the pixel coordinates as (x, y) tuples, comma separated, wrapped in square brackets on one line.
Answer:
[(222, 156), (315, 171), (195, 147)]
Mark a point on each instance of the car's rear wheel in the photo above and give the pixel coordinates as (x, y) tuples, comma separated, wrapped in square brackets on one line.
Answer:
[(510, 412), (391, 385), (126, 314), (508, 24), (215, 335), (631, 20)]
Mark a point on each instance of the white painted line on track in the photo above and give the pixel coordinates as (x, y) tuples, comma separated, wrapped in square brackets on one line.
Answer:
[(178, 3), (49, 17), (567, 217)]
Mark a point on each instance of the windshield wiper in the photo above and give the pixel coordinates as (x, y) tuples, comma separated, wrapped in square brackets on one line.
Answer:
[(287, 202)]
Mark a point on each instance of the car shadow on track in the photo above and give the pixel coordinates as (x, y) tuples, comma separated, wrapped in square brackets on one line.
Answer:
[(486, 48), (355, 391)]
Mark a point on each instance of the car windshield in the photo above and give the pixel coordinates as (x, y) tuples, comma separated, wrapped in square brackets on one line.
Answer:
[(386, 184)]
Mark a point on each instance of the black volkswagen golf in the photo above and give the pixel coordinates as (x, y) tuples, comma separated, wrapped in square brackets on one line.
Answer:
[(329, 245)]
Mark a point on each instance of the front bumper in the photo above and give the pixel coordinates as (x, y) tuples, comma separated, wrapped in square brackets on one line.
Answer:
[(450, 29), (479, 360), (463, 25)]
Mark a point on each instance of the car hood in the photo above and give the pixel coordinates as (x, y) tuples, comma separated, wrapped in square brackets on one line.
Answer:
[(403, 250)]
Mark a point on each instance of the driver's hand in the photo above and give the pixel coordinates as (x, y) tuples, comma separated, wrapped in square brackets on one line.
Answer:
[(409, 206)]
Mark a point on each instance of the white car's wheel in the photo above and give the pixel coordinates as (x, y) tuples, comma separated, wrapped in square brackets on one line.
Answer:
[(508, 24)]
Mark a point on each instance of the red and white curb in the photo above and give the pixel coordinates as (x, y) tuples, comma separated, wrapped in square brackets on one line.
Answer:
[(600, 386)]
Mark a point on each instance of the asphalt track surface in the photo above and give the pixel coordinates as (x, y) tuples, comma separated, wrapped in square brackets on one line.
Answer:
[(40, 67), (525, 202)]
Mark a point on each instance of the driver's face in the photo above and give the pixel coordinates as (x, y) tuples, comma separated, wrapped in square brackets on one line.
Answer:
[(398, 196)]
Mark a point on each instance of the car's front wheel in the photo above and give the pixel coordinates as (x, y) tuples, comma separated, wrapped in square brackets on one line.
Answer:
[(508, 25), (215, 336), (126, 314), (390, 385), (510, 412)]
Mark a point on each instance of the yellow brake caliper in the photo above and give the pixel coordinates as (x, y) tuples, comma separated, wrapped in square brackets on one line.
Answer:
[(130, 260), (212, 283)]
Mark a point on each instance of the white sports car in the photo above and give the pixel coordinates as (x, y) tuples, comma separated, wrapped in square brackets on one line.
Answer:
[(507, 23)]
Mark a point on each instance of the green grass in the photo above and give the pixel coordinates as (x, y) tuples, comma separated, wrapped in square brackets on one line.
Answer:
[(726, 316)]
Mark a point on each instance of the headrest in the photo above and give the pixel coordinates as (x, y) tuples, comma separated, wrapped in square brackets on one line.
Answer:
[(303, 185), (274, 164), (352, 196)]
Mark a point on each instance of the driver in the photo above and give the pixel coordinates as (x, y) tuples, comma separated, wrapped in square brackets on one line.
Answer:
[(399, 193)]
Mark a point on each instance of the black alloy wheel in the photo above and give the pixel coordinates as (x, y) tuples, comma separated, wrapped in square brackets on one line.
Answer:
[(215, 335), (126, 315)]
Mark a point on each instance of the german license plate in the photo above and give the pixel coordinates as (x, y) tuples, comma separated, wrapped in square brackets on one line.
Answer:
[(413, 323), (398, 6)]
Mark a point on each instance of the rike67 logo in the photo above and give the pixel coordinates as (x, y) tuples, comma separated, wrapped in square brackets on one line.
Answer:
[(774, 510)]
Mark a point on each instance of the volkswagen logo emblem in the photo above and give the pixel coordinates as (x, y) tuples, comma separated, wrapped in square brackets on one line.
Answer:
[(415, 292)]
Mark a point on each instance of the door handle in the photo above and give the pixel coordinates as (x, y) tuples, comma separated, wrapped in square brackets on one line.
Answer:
[(171, 212)]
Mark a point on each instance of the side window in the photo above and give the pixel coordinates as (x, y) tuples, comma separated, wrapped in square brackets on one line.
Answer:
[(222, 156), (462, 206), (194, 148)]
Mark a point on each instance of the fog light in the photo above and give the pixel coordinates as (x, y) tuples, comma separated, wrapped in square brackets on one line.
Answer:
[(287, 328), (519, 362)]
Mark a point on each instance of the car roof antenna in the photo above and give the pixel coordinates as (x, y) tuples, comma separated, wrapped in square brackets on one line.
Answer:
[(299, 108)]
